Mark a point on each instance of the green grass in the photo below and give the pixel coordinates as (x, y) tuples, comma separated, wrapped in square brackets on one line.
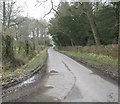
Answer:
[(94, 59), (24, 70)]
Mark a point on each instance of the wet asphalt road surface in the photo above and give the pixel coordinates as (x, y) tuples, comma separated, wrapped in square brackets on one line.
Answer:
[(65, 81)]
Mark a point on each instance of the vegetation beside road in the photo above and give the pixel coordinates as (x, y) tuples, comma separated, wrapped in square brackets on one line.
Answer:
[(23, 40), (82, 24), (110, 50), (38, 60), (97, 55), (94, 58), (107, 64)]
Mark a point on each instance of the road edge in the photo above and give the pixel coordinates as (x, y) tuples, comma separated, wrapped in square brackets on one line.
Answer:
[(106, 75), (29, 75)]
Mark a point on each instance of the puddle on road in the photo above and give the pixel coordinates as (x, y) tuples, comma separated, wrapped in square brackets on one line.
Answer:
[(29, 81), (20, 85)]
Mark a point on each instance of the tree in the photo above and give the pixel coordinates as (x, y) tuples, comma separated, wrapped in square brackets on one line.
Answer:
[(21, 36), (9, 13), (119, 38), (106, 23), (85, 6), (118, 17), (7, 48), (87, 9), (71, 24)]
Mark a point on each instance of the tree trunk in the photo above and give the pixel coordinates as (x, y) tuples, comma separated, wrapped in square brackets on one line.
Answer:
[(118, 6), (19, 47), (34, 47), (4, 16), (8, 47), (92, 22), (71, 42), (27, 47), (20, 43)]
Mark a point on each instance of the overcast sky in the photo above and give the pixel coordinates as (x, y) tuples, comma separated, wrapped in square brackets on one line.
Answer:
[(29, 8)]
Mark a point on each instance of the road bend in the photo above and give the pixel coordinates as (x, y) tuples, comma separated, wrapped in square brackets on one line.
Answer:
[(65, 81)]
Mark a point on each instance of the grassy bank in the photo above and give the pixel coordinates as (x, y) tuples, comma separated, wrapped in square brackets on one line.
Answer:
[(105, 50), (94, 59), (25, 70)]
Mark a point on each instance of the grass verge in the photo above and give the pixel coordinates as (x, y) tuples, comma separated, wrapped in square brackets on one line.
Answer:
[(91, 58), (26, 69)]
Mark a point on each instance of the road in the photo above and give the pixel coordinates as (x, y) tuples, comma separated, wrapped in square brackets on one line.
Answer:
[(65, 81)]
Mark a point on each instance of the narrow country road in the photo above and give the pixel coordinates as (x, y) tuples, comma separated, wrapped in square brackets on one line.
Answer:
[(65, 81)]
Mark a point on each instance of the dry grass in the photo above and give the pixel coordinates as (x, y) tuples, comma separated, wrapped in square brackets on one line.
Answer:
[(108, 50), (98, 60), (95, 55), (24, 70)]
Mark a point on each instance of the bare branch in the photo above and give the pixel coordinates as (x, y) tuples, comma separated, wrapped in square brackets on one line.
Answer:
[(82, 7), (48, 13), (52, 8), (40, 2)]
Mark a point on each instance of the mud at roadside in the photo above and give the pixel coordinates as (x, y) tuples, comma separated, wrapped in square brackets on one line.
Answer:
[(35, 89), (15, 89), (17, 80)]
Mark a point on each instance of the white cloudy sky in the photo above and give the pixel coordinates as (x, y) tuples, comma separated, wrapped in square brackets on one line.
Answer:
[(29, 8)]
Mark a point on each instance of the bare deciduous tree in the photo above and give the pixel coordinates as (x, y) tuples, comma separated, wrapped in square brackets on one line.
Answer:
[(52, 6)]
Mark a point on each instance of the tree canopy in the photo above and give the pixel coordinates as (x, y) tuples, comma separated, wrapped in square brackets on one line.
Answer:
[(73, 24)]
